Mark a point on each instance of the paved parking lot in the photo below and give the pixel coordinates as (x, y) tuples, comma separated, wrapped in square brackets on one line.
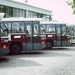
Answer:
[(58, 61)]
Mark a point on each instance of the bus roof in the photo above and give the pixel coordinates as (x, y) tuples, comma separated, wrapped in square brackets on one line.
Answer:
[(49, 22), (21, 19)]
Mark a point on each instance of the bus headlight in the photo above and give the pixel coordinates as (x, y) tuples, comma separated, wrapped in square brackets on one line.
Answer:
[(68, 40), (4, 46), (43, 42)]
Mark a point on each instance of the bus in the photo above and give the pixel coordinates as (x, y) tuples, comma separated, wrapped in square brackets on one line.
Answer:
[(23, 34), (2, 39), (30, 34), (56, 34)]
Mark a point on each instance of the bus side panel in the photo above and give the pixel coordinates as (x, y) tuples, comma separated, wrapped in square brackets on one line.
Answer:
[(24, 46), (43, 46), (65, 43), (37, 46), (55, 43), (29, 47), (58, 43)]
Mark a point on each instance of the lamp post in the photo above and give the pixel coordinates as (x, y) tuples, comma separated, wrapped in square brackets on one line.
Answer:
[(26, 1)]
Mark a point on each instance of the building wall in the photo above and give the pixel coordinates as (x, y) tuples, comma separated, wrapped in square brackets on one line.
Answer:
[(16, 9)]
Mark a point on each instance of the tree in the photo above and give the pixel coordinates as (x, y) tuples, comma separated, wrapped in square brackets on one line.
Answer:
[(72, 4)]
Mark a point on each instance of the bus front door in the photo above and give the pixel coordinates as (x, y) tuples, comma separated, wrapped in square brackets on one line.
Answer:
[(36, 36), (58, 35), (29, 44), (33, 36), (63, 39)]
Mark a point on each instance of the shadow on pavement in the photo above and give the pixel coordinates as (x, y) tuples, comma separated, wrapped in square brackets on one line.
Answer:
[(3, 59)]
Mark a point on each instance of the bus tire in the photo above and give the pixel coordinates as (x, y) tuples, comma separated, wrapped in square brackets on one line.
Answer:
[(49, 45), (15, 48)]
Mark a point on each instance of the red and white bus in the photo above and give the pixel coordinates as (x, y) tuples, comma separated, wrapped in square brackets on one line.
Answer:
[(26, 34), (3, 51), (23, 34), (55, 34)]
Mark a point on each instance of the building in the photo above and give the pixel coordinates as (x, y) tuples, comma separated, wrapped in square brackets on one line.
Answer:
[(16, 9)]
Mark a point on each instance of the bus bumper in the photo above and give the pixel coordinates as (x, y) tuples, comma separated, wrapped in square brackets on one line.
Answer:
[(4, 51)]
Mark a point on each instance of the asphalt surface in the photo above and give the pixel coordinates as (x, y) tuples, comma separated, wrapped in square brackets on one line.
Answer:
[(57, 61)]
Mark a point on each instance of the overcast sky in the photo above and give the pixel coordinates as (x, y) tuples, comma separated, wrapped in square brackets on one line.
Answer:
[(61, 11)]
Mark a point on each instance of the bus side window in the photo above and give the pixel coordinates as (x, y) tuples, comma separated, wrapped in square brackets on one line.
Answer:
[(29, 29), (21, 27), (17, 27), (50, 29)]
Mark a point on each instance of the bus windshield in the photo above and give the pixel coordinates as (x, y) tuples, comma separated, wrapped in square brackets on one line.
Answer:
[(50, 28), (4, 29), (42, 29), (47, 29)]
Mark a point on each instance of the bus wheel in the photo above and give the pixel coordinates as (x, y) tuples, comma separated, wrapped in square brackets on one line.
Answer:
[(49, 45), (15, 48)]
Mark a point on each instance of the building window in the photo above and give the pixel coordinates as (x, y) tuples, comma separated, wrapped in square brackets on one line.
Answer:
[(18, 13), (21, 13), (47, 18), (8, 12), (39, 15), (14, 12), (50, 18), (2, 9), (35, 15), (32, 14)]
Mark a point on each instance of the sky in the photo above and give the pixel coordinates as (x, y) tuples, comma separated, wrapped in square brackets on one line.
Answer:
[(60, 10)]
